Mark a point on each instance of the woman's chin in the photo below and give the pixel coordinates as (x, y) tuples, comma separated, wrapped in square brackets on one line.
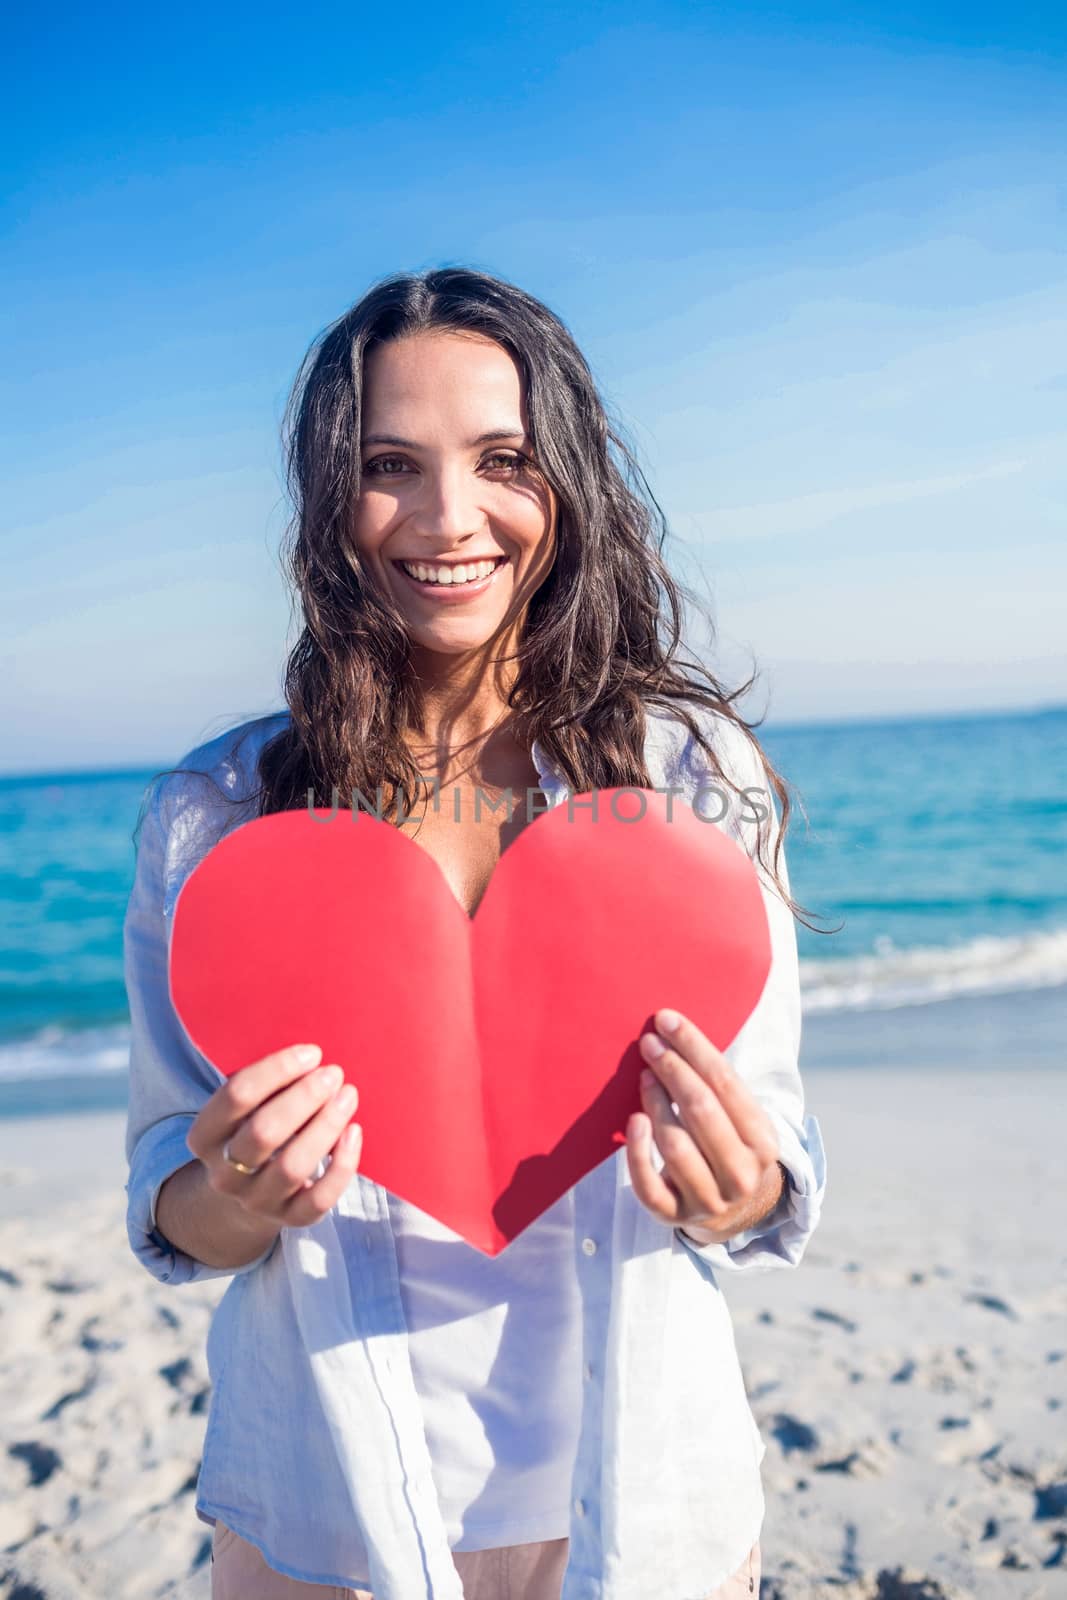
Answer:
[(458, 640)]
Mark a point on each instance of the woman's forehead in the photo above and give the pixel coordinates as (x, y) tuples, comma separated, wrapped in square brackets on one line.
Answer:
[(424, 375)]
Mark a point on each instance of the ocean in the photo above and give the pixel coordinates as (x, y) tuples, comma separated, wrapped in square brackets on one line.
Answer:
[(936, 848)]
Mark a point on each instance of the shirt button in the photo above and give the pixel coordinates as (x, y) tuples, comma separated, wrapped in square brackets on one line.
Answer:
[(588, 1371), (589, 1246), (579, 1508), (368, 1247)]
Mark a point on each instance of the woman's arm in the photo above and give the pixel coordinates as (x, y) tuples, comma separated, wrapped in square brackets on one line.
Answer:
[(765, 1056), (759, 1209), (169, 1083), (209, 1226)]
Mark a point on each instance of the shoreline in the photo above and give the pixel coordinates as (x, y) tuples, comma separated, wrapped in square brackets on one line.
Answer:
[(1022, 1027), (1027, 1027)]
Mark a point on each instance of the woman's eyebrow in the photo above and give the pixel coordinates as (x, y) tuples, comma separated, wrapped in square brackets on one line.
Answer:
[(494, 435)]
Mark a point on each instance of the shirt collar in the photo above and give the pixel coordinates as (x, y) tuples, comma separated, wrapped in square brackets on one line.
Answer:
[(551, 778)]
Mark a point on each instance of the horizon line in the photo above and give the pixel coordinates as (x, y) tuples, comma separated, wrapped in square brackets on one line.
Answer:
[(797, 724)]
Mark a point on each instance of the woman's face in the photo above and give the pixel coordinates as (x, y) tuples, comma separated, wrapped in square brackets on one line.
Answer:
[(448, 522)]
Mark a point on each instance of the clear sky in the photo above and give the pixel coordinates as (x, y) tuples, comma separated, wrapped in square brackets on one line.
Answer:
[(814, 254)]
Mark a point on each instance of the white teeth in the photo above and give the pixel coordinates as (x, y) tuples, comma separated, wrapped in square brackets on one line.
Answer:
[(465, 572)]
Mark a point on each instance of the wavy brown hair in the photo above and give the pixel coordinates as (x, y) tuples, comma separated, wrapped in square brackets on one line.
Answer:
[(602, 637)]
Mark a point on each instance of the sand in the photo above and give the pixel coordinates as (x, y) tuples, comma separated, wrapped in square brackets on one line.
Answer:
[(910, 1377)]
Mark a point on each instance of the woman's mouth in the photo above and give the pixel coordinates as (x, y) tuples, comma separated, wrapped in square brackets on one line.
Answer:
[(452, 580)]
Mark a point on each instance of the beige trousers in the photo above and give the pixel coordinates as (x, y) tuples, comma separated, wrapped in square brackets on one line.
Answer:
[(514, 1572)]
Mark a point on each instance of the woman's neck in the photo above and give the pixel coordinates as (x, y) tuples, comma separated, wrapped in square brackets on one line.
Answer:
[(466, 721)]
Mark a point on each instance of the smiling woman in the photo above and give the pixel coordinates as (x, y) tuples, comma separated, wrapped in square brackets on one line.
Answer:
[(459, 531), (446, 418), (395, 1413)]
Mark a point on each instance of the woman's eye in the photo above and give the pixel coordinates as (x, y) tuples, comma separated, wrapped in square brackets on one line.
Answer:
[(500, 460)]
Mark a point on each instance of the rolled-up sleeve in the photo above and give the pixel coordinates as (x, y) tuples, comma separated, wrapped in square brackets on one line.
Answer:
[(766, 1056), (169, 1079)]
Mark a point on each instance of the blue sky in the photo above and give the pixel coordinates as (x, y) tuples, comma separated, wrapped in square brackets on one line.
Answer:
[(815, 256)]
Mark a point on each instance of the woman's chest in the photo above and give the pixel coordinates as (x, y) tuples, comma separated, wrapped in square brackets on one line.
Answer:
[(467, 831)]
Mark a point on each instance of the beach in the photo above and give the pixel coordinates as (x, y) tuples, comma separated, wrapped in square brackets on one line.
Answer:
[(909, 1377)]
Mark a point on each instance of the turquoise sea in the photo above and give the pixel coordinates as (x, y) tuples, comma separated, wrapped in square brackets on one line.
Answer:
[(938, 845)]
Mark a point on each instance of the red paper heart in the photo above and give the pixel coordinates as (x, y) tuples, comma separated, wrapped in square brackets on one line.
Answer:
[(496, 1056)]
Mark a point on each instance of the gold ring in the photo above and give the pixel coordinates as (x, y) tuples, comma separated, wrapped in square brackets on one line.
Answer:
[(239, 1166)]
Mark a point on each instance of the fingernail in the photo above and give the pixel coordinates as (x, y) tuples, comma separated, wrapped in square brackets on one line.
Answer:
[(346, 1100), (330, 1078), (307, 1054), (667, 1020), (652, 1045)]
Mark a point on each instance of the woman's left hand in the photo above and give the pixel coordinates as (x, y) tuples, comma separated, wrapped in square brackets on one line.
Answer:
[(720, 1150)]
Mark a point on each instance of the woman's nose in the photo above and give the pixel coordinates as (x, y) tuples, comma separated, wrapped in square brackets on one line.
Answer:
[(449, 507)]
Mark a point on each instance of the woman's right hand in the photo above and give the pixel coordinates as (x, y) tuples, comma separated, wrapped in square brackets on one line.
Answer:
[(284, 1117)]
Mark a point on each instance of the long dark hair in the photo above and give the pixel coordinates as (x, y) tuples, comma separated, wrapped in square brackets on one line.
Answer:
[(602, 638)]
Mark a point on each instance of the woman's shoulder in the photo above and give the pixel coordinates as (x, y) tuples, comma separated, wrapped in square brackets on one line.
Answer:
[(679, 762), (673, 746), (213, 786), (231, 757)]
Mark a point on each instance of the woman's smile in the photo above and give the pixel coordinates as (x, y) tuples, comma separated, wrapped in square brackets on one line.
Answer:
[(451, 582)]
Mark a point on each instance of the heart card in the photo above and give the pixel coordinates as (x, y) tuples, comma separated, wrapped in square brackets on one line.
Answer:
[(496, 1055)]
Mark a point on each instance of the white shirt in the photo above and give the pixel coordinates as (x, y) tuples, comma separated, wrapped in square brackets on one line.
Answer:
[(496, 1354), (316, 1448)]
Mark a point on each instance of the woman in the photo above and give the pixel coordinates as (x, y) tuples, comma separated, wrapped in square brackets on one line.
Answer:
[(394, 1413)]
